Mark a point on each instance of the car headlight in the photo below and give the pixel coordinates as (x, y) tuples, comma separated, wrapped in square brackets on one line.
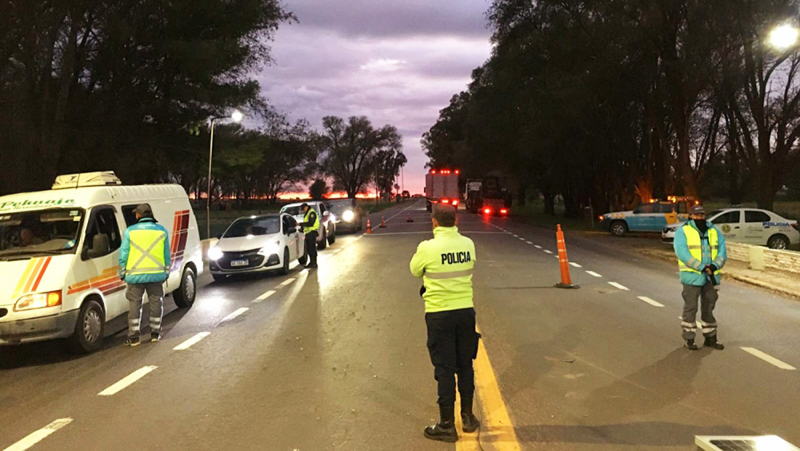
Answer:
[(271, 248), (38, 300), (348, 215), (214, 254)]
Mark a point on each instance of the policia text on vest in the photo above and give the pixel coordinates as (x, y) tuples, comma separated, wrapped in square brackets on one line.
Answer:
[(446, 264)]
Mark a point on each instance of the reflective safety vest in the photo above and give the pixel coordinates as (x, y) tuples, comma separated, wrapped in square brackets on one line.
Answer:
[(445, 264), (313, 227), (695, 244), (147, 252)]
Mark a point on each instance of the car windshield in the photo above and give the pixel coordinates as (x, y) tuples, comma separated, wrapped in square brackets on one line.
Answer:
[(294, 211), (46, 232), (339, 206), (253, 226)]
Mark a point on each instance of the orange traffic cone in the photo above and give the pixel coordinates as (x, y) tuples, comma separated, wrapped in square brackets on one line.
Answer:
[(566, 281), (409, 218), (383, 223), (369, 226)]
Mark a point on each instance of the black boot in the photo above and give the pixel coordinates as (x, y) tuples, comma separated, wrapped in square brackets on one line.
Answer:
[(711, 342), (468, 421), (445, 429), (690, 344)]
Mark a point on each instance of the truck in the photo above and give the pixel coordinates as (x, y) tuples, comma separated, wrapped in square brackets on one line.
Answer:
[(441, 186), (487, 196)]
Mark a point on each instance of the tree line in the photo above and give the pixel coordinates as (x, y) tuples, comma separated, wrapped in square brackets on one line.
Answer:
[(130, 86), (608, 102)]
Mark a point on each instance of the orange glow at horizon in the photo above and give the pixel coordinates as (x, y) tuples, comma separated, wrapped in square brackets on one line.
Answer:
[(334, 195)]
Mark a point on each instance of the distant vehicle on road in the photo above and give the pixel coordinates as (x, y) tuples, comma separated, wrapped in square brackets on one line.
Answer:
[(348, 215), (487, 196), (59, 256), (327, 221), (749, 226), (406, 194), (652, 216), (258, 244), (441, 187)]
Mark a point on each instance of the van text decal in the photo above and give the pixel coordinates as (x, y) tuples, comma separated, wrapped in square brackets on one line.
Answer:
[(33, 204)]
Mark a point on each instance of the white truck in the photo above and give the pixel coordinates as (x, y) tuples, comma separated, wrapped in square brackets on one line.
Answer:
[(441, 186)]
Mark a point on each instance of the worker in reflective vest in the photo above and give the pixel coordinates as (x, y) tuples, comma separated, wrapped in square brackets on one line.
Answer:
[(144, 262), (310, 226), (445, 264), (700, 248)]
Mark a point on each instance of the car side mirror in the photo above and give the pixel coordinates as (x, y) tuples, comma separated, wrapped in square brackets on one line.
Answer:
[(291, 230)]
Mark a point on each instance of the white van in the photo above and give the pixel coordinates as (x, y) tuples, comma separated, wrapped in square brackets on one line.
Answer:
[(59, 256)]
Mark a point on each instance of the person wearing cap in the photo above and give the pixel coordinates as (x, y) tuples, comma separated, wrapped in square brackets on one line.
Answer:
[(700, 248), (445, 265), (310, 227), (144, 261)]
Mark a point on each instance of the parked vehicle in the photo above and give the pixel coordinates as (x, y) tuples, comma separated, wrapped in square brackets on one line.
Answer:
[(59, 256), (441, 186), (652, 216), (258, 244), (327, 221), (749, 226), (348, 215)]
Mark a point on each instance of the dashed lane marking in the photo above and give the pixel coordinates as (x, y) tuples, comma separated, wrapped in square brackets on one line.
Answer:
[(537, 246), (650, 301), (529, 242), (191, 342), (769, 359), (264, 296), (575, 265), (592, 273), (548, 251), (621, 287), (127, 381), (38, 436), (234, 314), (285, 283)]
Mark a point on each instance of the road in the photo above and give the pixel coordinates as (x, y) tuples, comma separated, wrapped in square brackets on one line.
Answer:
[(335, 359)]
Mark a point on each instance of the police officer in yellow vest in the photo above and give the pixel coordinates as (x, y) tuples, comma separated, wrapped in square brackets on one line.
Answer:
[(310, 226), (144, 262), (700, 248), (445, 264)]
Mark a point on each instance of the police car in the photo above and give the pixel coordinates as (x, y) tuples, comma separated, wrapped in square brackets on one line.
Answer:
[(652, 216), (749, 226)]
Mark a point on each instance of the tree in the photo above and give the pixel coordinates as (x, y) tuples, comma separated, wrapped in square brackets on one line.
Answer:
[(348, 150), (388, 163), (318, 189)]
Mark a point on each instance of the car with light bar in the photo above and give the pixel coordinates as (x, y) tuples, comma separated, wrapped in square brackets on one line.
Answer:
[(59, 256), (258, 244), (749, 226), (441, 187), (327, 220), (348, 216), (650, 216)]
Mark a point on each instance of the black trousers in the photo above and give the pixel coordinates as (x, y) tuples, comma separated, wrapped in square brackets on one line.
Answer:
[(453, 344), (311, 246)]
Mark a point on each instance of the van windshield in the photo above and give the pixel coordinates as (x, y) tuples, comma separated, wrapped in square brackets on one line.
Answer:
[(45, 232)]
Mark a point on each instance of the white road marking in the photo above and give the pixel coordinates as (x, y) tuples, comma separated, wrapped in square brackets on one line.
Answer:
[(234, 314), (769, 359), (521, 239), (127, 381), (651, 302), (192, 341), (515, 235), (285, 283), (575, 265), (548, 251), (39, 435), (265, 295), (528, 242), (537, 246), (621, 287), (592, 273)]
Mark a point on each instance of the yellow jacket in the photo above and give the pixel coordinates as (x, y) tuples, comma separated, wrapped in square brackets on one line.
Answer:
[(445, 264)]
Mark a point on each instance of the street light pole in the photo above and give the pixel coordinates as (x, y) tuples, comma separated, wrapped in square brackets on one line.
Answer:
[(236, 116)]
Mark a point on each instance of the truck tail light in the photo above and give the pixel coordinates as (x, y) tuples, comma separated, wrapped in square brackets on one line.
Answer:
[(504, 211), (445, 201), (487, 211), (455, 202)]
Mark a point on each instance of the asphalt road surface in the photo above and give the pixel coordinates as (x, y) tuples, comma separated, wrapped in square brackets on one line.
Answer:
[(335, 359)]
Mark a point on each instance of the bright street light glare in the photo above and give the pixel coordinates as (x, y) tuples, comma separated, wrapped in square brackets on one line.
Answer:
[(783, 37), (237, 116)]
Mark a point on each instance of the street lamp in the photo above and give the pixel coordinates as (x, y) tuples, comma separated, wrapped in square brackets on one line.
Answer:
[(237, 117), (783, 37)]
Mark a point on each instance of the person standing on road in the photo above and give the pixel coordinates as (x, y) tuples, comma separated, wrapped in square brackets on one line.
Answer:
[(310, 226), (700, 248), (144, 262), (445, 264)]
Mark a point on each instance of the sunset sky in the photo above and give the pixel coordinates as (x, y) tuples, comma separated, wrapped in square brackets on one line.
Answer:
[(396, 62)]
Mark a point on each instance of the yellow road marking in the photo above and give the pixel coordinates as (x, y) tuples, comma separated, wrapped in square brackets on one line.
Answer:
[(496, 430)]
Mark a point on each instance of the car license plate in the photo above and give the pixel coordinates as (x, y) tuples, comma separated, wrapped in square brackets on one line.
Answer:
[(240, 263)]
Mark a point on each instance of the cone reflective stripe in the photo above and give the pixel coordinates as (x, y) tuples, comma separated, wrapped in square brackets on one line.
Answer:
[(369, 226), (566, 280), (383, 223)]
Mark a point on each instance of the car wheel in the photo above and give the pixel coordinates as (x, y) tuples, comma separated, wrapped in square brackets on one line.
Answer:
[(332, 238), (778, 242), (186, 293), (219, 277), (619, 228), (89, 329), (323, 243), (285, 268)]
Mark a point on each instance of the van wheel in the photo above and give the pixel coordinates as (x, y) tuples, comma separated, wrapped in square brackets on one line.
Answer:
[(324, 241), (186, 293), (89, 329), (619, 228), (285, 268), (778, 242)]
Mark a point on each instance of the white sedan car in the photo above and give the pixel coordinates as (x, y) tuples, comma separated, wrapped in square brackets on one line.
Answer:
[(327, 221), (749, 226), (256, 244)]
